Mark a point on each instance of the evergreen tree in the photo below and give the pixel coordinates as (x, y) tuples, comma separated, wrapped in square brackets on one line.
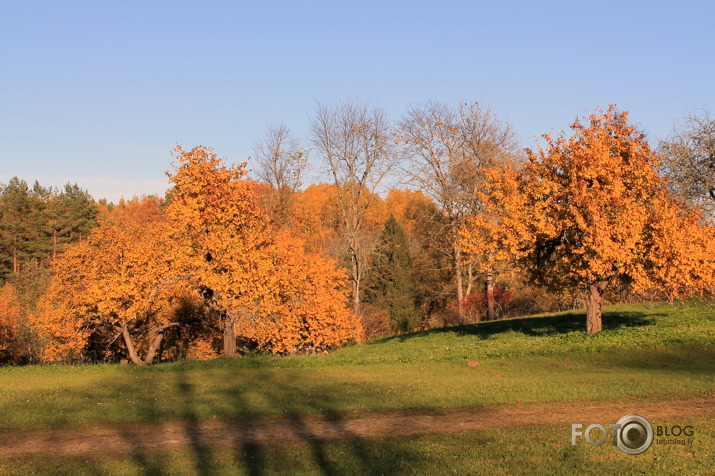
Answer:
[(70, 217), (390, 281), (21, 230), (37, 222)]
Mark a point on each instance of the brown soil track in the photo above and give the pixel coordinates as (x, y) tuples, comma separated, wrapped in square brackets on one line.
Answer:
[(193, 433)]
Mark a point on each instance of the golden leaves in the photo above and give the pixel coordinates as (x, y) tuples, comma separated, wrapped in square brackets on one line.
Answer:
[(309, 310), (10, 316), (120, 274), (260, 278), (592, 207)]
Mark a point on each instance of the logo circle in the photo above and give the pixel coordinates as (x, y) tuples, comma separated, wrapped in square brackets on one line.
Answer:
[(635, 434)]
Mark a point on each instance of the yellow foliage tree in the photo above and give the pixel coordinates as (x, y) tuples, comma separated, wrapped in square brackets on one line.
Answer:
[(262, 284), (316, 217), (589, 210), (118, 279), (221, 237), (488, 243), (308, 312), (10, 316)]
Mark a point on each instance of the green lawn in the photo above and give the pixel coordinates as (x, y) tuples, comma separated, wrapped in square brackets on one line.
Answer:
[(530, 450), (644, 350)]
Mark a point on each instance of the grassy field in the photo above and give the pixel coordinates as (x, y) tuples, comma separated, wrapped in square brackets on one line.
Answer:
[(530, 450), (645, 352)]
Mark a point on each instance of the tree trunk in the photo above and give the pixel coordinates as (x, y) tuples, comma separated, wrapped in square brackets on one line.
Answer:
[(355, 278), (229, 338), (130, 347), (458, 282), (594, 322), (489, 291), (155, 336)]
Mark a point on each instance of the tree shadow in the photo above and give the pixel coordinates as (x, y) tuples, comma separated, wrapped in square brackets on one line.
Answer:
[(305, 422), (688, 361), (549, 325), (310, 419), (192, 425)]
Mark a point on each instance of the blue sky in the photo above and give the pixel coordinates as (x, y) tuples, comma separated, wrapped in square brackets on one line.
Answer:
[(99, 92)]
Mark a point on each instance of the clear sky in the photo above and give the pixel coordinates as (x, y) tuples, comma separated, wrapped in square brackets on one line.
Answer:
[(98, 92)]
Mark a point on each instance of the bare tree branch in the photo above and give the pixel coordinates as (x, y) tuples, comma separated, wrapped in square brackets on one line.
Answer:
[(448, 151), (357, 146), (689, 161)]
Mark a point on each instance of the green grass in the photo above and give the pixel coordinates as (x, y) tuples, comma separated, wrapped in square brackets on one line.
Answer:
[(536, 451), (117, 395), (655, 348), (644, 350)]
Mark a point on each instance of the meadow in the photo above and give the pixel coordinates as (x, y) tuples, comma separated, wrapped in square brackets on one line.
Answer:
[(654, 355)]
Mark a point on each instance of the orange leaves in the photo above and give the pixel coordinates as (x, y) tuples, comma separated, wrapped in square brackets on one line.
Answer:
[(591, 193), (494, 236), (134, 272), (120, 277), (592, 208), (64, 311), (680, 255), (10, 311), (220, 235), (262, 282), (10, 316), (308, 311)]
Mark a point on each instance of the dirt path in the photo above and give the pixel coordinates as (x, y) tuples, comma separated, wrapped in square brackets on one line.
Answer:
[(190, 433)]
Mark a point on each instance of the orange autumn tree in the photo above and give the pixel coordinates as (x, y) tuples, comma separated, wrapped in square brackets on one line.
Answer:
[(10, 316), (118, 283), (590, 210), (308, 312), (261, 283), (486, 240), (316, 217), (60, 316), (222, 239)]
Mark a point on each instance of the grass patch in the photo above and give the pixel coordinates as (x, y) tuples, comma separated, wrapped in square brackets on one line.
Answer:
[(522, 450), (656, 349), (644, 351)]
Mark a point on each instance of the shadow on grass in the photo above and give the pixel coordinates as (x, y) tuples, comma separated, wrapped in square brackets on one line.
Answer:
[(551, 325), (676, 359), (291, 443)]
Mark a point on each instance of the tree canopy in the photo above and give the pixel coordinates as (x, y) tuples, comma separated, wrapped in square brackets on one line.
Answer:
[(590, 210)]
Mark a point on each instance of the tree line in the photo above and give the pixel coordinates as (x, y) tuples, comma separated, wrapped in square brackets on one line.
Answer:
[(436, 219)]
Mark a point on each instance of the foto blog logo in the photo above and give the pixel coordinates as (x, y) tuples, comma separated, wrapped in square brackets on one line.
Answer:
[(632, 434)]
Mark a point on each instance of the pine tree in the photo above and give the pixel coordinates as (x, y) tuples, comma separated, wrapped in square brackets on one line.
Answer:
[(390, 281), (71, 215), (21, 225)]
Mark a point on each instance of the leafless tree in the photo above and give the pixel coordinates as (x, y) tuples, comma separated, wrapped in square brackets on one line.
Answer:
[(281, 162), (356, 144), (689, 161), (448, 149)]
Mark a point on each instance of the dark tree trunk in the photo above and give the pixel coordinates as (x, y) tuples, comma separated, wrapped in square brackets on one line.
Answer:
[(594, 321), (133, 356), (491, 302), (155, 337), (229, 338), (458, 283)]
